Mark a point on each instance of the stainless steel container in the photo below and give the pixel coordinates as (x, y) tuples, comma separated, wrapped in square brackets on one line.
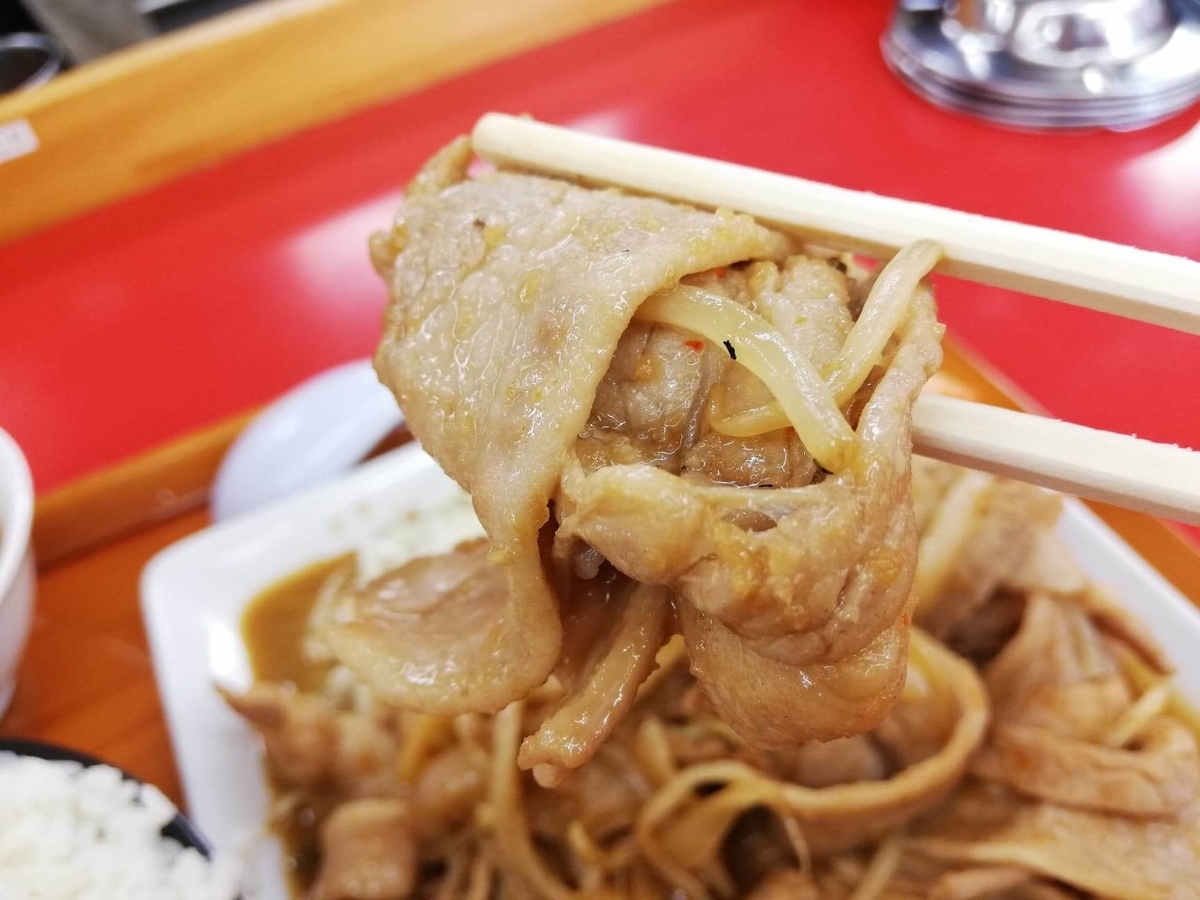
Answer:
[(28, 59), (1119, 64)]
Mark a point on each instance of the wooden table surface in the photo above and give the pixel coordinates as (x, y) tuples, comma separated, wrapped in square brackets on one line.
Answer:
[(189, 99), (86, 680)]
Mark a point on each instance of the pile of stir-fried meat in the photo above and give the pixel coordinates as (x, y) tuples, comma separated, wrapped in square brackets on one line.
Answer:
[(534, 342), (691, 618), (1037, 752)]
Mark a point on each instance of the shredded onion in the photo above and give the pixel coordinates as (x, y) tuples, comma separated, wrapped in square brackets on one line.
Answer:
[(882, 314), (790, 377)]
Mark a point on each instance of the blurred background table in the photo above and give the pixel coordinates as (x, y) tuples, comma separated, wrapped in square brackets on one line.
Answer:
[(188, 240)]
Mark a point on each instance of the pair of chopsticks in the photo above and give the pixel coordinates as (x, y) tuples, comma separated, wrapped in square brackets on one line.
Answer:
[(1111, 278)]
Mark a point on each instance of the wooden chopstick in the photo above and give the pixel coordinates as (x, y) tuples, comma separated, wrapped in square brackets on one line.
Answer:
[(1151, 287), (1114, 468), (1099, 275)]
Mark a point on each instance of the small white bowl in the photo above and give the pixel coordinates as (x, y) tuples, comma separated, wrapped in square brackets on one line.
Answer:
[(16, 563)]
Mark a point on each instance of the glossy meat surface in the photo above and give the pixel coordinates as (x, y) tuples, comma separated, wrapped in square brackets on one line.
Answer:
[(1057, 763), (516, 343)]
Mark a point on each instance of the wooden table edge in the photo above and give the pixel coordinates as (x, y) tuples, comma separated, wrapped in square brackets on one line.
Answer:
[(214, 89)]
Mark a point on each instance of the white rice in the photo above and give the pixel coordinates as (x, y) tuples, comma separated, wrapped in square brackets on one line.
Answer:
[(73, 833), (420, 532), (427, 531)]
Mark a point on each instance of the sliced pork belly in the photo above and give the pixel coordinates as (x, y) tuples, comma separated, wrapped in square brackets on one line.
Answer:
[(571, 357), (1060, 699)]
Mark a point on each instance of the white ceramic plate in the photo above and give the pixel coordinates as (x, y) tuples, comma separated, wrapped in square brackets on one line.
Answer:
[(16, 563), (194, 592)]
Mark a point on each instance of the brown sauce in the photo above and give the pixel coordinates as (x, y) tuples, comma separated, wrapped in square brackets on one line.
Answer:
[(273, 628), (274, 623)]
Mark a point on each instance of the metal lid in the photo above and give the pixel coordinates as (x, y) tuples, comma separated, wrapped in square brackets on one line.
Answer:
[(28, 59), (1119, 64)]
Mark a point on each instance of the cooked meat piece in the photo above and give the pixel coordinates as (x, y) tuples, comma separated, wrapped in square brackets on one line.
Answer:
[(612, 630), (368, 852), (767, 599), (1114, 619), (981, 637), (511, 343), (1048, 568), (1057, 646), (786, 884), (754, 559), (919, 727), (433, 634), (774, 704), (824, 764), (651, 403), (1156, 778), (952, 709), (846, 815), (499, 286), (978, 884), (312, 745), (603, 796), (1043, 890), (1086, 710), (977, 537), (1058, 696), (404, 641), (449, 787), (931, 481), (1111, 856)]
